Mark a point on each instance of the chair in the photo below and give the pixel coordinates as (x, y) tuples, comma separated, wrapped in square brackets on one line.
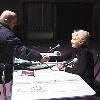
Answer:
[(95, 57), (95, 54), (96, 82)]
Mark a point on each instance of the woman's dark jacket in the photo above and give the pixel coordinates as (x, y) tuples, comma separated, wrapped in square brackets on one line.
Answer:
[(85, 64)]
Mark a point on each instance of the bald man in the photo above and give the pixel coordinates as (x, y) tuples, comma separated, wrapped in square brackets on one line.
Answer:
[(11, 46)]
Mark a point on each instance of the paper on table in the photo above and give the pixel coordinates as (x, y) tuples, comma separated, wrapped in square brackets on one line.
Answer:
[(45, 87)]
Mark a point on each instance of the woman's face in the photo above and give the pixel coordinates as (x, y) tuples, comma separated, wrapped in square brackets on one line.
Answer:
[(75, 41)]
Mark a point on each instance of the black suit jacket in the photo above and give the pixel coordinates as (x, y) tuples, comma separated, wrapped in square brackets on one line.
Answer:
[(11, 46)]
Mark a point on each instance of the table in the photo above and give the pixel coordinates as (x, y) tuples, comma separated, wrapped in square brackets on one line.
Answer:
[(49, 84)]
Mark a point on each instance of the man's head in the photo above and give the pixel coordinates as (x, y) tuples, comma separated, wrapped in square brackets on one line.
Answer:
[(79, 38), (8, 18)]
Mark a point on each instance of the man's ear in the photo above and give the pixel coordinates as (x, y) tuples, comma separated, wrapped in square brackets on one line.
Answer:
[(6, 20)]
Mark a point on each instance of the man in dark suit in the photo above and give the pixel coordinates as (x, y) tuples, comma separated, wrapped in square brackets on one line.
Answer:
[(11, 46)]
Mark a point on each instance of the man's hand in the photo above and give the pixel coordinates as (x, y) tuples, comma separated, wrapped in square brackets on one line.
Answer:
[(60, 66)]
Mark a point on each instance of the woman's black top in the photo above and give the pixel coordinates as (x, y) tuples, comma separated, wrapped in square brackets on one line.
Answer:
[(85, 64)]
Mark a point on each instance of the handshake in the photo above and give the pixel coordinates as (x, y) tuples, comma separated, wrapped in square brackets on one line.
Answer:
[(45, 58)]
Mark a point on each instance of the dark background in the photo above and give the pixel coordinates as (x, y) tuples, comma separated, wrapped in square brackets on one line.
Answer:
[(49, 22)]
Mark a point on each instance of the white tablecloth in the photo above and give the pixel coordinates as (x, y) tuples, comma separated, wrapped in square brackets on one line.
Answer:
[(47, 84)]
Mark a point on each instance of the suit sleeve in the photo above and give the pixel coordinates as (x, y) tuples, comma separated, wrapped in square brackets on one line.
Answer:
[(21, 51)]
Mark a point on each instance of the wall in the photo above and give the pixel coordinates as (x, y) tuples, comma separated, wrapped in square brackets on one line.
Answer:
[(17, 6)]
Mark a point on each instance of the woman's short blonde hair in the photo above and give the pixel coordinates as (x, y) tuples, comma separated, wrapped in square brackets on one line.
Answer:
[(81, 35)]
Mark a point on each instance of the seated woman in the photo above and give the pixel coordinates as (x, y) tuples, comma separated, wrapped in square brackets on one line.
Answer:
[(79, 54)]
